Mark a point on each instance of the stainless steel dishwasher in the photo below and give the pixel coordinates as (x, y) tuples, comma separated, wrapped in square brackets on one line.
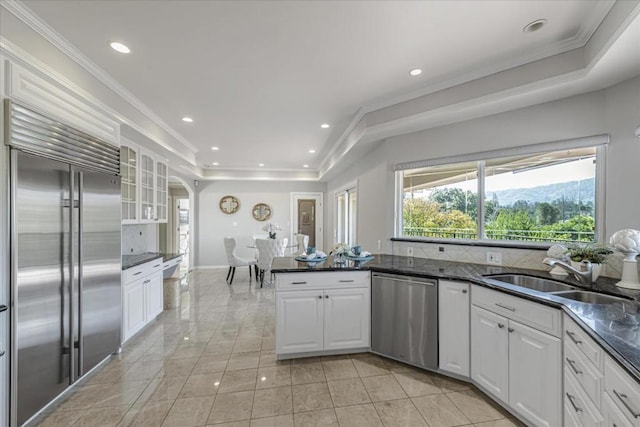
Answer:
[(404, 319)]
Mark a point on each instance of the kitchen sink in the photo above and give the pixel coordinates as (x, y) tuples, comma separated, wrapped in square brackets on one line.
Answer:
[(589, 297), (530, 282)]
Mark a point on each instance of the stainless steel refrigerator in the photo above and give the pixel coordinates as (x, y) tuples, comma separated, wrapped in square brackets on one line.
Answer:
[(65, 257)]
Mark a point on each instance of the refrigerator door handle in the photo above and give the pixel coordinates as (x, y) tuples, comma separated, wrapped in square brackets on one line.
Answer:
[(79, 346), (72, 264)]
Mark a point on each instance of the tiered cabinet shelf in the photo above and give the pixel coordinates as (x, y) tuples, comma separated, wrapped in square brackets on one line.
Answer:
[(147, 187), (129, 182), (162, 189)]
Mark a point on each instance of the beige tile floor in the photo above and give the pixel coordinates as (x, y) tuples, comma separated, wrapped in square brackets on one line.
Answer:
[(211, 362)]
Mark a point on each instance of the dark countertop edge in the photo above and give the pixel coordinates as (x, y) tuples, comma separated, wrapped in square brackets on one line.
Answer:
[(517, 291), (129, 261), (486, 243)]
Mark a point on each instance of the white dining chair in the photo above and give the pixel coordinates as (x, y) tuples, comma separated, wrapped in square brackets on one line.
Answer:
[(268, 249), (303, 243), (235, 261)]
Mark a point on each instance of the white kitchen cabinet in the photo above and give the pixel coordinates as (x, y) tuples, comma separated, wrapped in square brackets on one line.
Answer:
[(490, 352), (134, 316), (162, 189), (346, 318), (322, 312), (535, 374), (147, 187), (515, 362), (154, 188), (299, 321), (453, 325), (613, 416), (154, 301), (623, 390), (129, 183), (142, 296)]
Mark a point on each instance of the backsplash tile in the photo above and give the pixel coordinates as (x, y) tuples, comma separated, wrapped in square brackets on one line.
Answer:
[(511, 257), (139, 238)]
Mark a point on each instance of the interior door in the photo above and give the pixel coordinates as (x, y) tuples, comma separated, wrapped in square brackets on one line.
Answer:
[(307, 217), (41, 281), (100, 269)]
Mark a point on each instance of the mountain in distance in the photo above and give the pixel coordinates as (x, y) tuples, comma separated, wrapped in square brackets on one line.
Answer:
[(572, 191)]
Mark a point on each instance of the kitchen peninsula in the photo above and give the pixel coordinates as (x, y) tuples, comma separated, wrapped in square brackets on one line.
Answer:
[(602, 335)]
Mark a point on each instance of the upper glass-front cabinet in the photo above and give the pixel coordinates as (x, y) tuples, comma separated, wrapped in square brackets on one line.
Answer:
[(147, 187), (129, 183), (162, 189)]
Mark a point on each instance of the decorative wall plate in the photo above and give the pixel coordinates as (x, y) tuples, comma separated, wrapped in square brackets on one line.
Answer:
[(229, 204), (261, 212)]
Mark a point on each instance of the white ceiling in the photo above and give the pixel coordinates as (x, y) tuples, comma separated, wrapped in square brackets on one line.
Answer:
[(260, 77)]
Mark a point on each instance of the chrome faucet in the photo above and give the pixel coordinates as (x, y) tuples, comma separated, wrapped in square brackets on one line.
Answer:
[(584, 275)]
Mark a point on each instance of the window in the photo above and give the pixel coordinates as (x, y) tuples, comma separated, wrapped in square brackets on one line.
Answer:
[(540, 197), (346, 210)]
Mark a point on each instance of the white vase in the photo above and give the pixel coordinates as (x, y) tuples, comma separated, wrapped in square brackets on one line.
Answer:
[(596, 269)]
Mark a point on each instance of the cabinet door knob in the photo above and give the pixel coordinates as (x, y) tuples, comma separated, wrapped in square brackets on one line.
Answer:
[(510, 329), (319, 296), (326, 296), (464, 291), (500, 325)]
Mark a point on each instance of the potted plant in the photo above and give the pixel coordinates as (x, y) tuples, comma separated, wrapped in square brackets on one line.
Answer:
[(271, 228), (595, 253)]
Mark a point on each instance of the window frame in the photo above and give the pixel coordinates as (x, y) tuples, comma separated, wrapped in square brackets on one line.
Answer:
[(599, 142), (348, 224)]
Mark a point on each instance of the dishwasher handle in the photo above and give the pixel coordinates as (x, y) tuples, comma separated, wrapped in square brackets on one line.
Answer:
[(411, 282)]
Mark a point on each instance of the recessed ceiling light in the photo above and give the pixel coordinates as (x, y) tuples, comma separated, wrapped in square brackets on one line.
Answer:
[(312, 151), (534, 26), (415, 72), (187, 119), (305, 166), (215, 163), (119, 47), (215, 148), (261, 164), (325, 126)]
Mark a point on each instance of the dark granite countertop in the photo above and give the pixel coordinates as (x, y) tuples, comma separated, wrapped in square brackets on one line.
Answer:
[(129, 261), (615, 326)]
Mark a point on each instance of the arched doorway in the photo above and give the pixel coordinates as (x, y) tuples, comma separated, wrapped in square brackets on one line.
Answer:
[(178, 234)]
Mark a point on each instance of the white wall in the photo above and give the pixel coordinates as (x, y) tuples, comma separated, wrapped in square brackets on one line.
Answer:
[(615, 110), (214, 225)]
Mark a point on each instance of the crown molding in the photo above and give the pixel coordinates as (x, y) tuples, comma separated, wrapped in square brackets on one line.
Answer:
[(579, 40), (259, 175), (9, 50), (26, 15)]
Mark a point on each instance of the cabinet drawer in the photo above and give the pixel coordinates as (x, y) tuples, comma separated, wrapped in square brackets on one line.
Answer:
[(142, 270), (171, 263), (577, 405), (623, 390), (536, 315), (590, 379), (323, 280), (613, 416), (578, 338)]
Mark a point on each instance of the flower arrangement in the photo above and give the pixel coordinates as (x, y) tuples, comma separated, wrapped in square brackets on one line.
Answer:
[(592, 252), (340, 249), (271, 228)]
